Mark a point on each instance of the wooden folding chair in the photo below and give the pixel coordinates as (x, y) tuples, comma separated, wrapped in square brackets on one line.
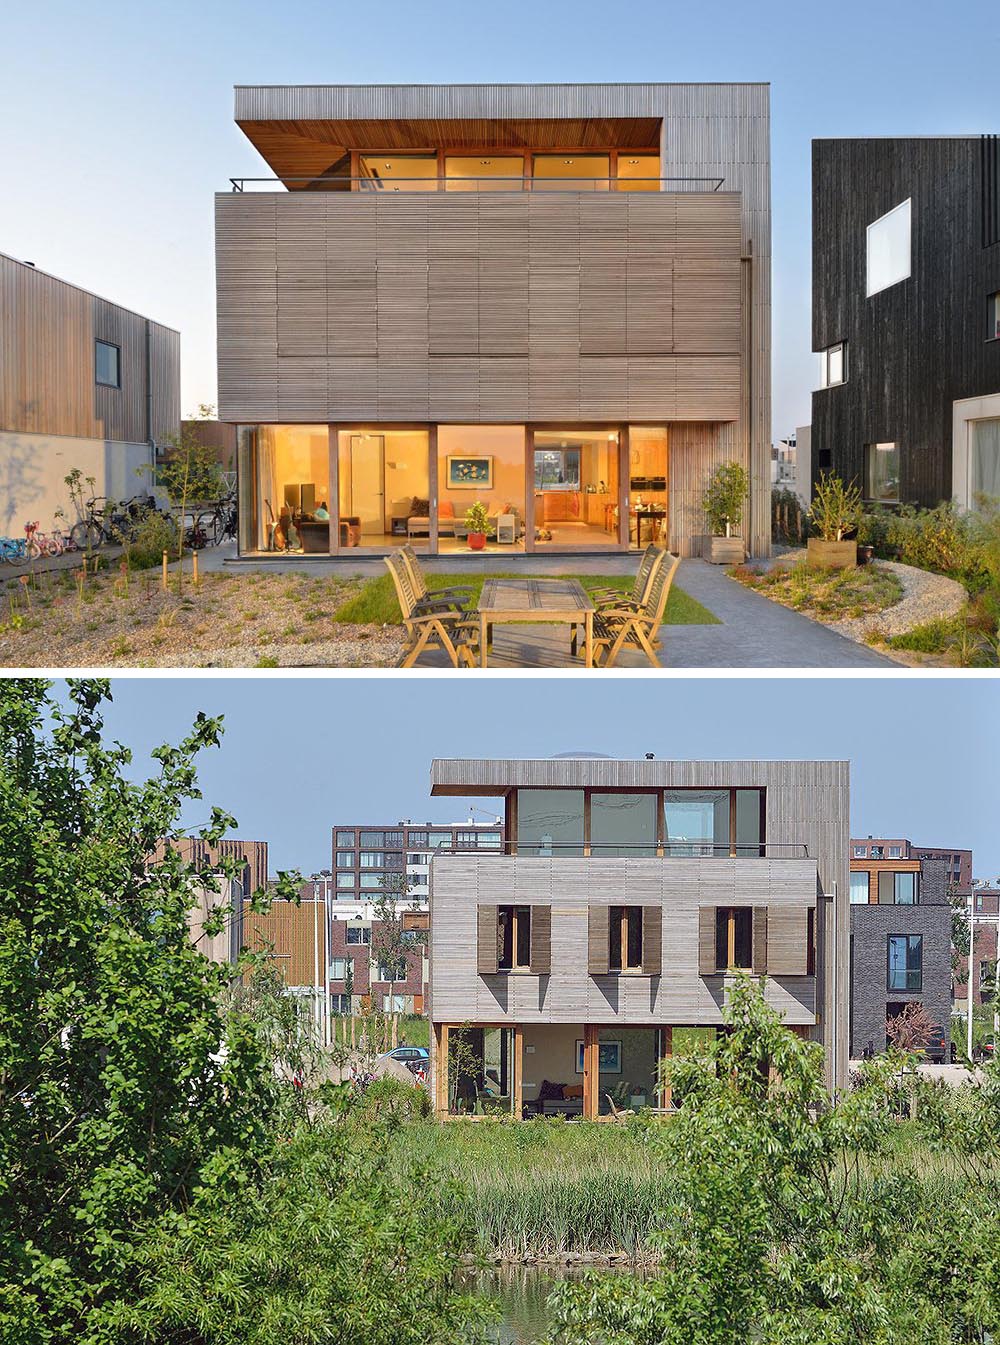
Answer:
[(618, 628), (452, 599), (454, 632), (652, 559)]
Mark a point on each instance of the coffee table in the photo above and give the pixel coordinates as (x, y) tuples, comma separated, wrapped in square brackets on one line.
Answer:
[(548, 601)]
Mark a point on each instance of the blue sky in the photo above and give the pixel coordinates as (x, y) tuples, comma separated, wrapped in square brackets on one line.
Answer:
[(299, 756), (118, 122)]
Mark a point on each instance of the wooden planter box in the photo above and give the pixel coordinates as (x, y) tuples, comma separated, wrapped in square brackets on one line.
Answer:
[(831, 555), (723, 550)]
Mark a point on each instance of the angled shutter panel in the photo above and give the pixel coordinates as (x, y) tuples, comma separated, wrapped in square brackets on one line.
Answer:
[(788, 941), (597, 940), (759, 949), (487, 960), (652, 940), (541, 940), (706, 940)]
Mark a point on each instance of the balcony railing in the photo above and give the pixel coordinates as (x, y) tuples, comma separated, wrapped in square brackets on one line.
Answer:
[(482, 184), (661, 850)]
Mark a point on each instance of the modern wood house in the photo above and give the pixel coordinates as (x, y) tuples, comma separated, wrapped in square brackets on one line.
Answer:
[(906, 317), (84, 383), (608, 932), (553, 299)]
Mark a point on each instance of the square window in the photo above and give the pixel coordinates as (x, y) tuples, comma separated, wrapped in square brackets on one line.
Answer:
[(993, 317), (834, 366), (358, 934), (895, 852), (888, 249), (860, 851), (859, 889), (984, 458), (107, 369), (882, 473), (345, 859), (345, 838), (345, 881)]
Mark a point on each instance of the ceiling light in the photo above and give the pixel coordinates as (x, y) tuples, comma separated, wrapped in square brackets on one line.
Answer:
[(567, 160), (388, 165), (633, 160), (484, 161)]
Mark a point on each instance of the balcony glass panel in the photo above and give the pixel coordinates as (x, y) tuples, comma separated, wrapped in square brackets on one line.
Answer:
[(472, 173), (697, 821), (550, 822), (638, 172), (571, 172), (398, 172), (749, 822), (623, 824)]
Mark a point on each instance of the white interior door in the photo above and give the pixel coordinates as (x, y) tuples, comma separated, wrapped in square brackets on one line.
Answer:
[(368, 482)]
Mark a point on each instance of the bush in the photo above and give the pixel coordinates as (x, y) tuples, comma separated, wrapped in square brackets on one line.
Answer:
[(155, 534), (725, 498), (836, 508)]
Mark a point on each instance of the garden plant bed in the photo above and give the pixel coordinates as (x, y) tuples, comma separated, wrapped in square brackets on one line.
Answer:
[(834, 597), (252, 620)]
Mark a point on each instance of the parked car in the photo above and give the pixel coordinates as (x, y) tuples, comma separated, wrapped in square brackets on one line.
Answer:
[(985, 1050), (937, 1046), (415, 1058)]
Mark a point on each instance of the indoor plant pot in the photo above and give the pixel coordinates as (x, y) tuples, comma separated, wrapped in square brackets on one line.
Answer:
[(477, 520), (477, 540)]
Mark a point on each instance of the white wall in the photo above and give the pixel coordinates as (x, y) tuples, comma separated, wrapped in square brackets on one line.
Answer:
[(33, 468), (803, 464)]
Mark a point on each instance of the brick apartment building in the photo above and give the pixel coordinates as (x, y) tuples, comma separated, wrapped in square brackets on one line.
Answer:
[(986, 902)]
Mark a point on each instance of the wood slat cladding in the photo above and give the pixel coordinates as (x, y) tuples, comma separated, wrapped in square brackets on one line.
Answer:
[(476, 307), (48, 330), (918, 346)]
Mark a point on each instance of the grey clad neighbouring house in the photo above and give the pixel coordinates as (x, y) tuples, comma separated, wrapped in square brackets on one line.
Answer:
[(906, 316), (900, 946), (606, 935), (84, 383), (553, 299)]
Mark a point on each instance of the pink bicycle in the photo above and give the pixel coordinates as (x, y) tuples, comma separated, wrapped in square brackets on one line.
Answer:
[(38, 544)]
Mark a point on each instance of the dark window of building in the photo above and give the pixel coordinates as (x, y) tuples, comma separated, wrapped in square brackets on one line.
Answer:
[(358, 934), (107, 369), (734, 938), (905, 961), (513, 938), (418, 839), (882, 473), (345, 838), (373, 840), (625, 938), (834, 365), (345, 859)]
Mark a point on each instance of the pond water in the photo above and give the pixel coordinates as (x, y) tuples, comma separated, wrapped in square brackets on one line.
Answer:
[(521, 1293)]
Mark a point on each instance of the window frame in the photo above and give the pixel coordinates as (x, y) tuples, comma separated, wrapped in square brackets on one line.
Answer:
[(358, 943), (993, 316), (624, 939), (729, 914), (875, 446), (906, 205), (346, 840), (825, 357), (109, 345), (516, 938), (859, 874), (906, 988)]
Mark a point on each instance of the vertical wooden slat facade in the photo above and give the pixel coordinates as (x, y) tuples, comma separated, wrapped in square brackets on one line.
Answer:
[(490, 307)]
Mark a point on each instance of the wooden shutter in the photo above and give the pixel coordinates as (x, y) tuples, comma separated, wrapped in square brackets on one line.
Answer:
[(759, 935), (598, 937), (541, 940), (652, 940), (487, 960), (706, 941), (788, 941)]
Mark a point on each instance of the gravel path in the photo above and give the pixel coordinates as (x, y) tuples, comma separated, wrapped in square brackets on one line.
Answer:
[(925, 597), (355, 647)]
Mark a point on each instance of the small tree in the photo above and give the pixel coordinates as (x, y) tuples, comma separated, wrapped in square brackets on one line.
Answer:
[(836, 509), (189, 472), (391, 941), (477, 518), (725, 498)]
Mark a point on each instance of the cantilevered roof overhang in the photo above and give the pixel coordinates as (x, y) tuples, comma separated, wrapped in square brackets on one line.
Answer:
[(468, 777)]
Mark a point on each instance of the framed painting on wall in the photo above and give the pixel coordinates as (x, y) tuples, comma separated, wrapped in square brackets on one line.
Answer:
[(469, 473), (609, 1057)]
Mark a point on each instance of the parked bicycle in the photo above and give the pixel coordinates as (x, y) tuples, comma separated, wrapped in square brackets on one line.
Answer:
[(38, 544), (109, 522), (13, 550), (212, 526)]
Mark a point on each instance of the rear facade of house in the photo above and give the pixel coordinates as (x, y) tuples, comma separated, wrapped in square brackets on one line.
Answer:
[(607, 933), (906, 317), (84, 384), (551, 299)]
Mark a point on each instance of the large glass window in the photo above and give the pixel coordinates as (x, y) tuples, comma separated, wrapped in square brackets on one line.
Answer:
[(905, 889), (550, 822), (638, 172), (345, 838), (576, 485), (498, 172), (291, 488), (984, 465), (734, 938), (571, 172), (697, 821), (438, 840), (358, 934), (107, 369), (882, 473), (859, 889), (623, 824), (345, 859), (481, 464), (398, 172), (345, 882), (648, 473), (888, 249), (384, 487), (905, 962), (749, 821)]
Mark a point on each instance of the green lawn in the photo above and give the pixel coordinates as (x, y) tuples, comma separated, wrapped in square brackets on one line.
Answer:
[(376, 602)]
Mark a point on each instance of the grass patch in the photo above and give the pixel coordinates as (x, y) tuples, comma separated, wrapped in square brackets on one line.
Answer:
[(824, 595), (376, 601)]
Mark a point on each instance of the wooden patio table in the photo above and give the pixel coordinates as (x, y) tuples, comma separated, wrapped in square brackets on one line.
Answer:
[(548, 601)]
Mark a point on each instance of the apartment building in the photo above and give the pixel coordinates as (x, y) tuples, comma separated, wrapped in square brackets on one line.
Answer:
[(906, 316), (900, 940), (627, 895), (84, 384), (369, 860), (985, 911), (877, 849), (551, 299)]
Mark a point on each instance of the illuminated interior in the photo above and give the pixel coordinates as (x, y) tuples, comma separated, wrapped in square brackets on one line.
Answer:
[(483, 172), (648, 485), (492, 452), (638, 172), (398, 172), (384, 487), (576, 481), (292, 488), (555, 172)]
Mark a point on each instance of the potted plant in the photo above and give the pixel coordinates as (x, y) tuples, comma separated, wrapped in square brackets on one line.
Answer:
[(836, 514), (723, 502), (477, 520)]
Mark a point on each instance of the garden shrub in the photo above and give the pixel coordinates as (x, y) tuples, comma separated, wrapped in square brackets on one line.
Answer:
[(154, 535)]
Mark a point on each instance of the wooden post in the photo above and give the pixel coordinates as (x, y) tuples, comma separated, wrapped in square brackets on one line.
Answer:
[(517, 1072), (440, 1070), (164, 570), (666, 1050), (194, 567), (591, 1072)]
